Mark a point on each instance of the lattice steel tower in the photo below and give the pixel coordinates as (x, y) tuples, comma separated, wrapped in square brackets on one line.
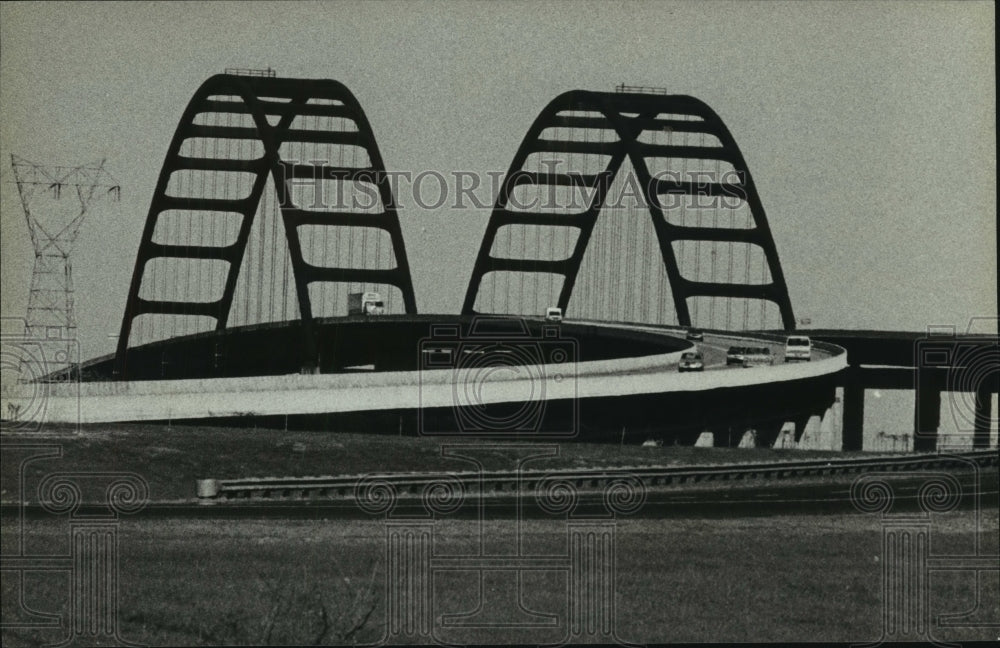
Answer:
[(56, 200)]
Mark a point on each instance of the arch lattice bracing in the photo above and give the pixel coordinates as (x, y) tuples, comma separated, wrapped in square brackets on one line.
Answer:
[(259, 128), (620, 127)]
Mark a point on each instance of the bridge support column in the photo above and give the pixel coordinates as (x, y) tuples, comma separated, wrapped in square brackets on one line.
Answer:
[(808, 432), (852, 436), (787, 436), (927, 412), (727, 437), (768, 433), (687, 437), (831, 427), (824, 439), (983, 413), (748, 439)]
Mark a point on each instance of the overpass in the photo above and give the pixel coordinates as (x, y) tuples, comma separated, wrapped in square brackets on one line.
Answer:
[(930, 364), (467, 376)]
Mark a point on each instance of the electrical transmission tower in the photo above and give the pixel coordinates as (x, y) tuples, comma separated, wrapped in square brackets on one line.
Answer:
[(56, 200)]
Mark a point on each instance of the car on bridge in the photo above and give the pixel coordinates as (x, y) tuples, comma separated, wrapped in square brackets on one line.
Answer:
[(553, 314), (736, 355), (758, 356), (695, 335), (691, 361), (798, 347), (749, 356)]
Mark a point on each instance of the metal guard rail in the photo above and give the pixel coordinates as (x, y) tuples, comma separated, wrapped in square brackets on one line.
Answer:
[(212, 491)]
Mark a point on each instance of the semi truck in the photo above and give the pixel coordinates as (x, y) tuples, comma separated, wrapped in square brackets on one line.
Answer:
[(365, 303)]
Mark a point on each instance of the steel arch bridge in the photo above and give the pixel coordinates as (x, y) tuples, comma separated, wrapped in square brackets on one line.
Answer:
[(630, 119), (250, 128), (294, 133), (279, 123)]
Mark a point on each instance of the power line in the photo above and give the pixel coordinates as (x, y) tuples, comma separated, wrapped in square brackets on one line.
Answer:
[(56, 201)]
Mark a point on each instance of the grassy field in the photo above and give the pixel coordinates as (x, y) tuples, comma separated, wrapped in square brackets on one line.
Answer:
[(171, 459), (245, 580), (316, 582)]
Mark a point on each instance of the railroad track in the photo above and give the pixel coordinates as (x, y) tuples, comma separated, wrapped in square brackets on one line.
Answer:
[(625, 486)]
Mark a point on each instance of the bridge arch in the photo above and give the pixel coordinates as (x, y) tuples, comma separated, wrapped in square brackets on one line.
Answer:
[(280, 109), (629, 116)]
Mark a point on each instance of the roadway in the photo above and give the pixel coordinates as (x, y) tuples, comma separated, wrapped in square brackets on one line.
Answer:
[(715, 346), (654, 373)]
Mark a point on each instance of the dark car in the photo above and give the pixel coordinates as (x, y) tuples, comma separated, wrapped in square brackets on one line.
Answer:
[(691, 361), (736, 355), (749, 356), (758, 356)]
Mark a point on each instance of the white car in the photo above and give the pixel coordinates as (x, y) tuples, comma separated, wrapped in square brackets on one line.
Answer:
[(553, 314), (798, 347)]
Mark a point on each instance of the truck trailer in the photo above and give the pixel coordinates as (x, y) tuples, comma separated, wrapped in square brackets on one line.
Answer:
[(365, 303)]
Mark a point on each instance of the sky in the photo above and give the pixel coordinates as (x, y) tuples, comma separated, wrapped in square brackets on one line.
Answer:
[(869, 128)]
